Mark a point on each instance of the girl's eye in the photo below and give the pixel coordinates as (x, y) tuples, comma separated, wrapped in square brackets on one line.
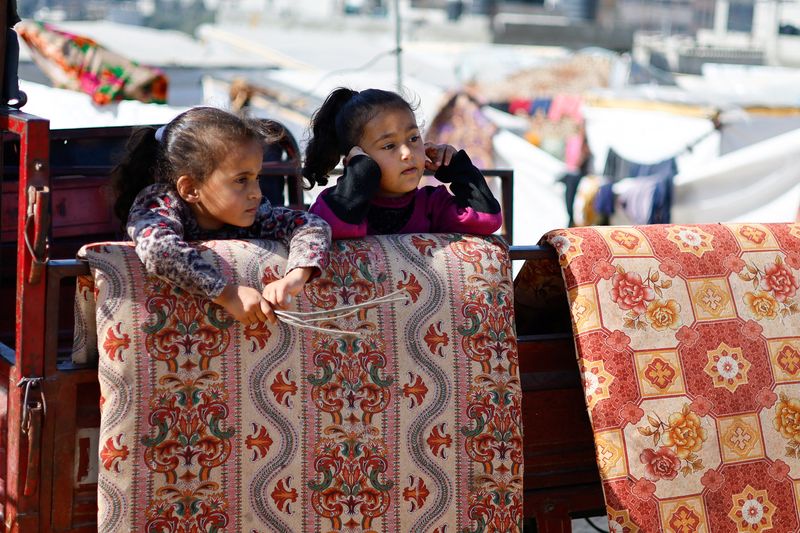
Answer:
[(388, 146), (241, 179), (414, 138)]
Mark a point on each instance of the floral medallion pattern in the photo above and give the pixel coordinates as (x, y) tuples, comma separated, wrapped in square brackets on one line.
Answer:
[(414, 424), (705, 319)]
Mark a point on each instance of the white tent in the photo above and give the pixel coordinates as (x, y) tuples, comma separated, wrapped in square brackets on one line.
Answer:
[(71, 109)]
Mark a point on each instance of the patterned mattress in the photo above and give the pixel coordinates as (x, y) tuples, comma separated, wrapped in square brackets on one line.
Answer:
[(688, 339), (412, 425)]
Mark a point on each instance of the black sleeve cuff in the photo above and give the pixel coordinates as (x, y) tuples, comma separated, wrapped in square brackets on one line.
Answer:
[(349, 199), (468, 184)]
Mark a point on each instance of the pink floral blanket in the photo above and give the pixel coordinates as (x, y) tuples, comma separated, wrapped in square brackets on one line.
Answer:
[(688, 339)]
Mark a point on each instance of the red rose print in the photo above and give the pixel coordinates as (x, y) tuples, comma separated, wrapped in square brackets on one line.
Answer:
[(780, 281), (629, 292), (660, 464)]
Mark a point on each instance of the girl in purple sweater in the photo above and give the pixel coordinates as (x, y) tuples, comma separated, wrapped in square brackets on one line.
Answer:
[(384, 160)]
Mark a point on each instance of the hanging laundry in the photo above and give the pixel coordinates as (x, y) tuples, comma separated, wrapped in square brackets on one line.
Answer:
[(604, 202), (79, 63), (646, 195), (519, 106), (540, 105), (565, 106)]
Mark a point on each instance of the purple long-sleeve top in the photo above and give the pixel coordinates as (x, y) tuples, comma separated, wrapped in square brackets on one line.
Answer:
[(353, 210)]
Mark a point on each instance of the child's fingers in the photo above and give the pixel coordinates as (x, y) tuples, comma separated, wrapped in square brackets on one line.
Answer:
[(259, 315), (434, 154), (282, 297), (276, 295), (265, 310), (354, 151), (448, 154)]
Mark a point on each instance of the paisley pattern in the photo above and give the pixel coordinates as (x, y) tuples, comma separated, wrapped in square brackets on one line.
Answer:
[(414, 425)]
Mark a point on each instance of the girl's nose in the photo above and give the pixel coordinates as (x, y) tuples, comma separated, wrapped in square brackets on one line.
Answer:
[(405, 152), (254, 191)]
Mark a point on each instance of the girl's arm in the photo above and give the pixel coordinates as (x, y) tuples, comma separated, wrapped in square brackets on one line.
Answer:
[(307, 236), (345, 205), (472, 208), (155, 224)]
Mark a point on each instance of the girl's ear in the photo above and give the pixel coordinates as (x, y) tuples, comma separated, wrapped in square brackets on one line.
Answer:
[(187, 189)]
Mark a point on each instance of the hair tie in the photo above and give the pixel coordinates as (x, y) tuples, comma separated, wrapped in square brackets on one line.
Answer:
[(160, 133)]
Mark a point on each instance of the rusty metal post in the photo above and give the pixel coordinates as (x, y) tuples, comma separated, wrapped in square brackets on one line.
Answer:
[(22, 506)]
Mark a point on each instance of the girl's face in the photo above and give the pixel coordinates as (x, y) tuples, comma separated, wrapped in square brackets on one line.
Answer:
[(392, 140), (231, 194)]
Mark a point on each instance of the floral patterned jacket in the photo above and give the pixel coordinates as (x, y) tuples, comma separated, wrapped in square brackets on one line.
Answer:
[(160, 223)]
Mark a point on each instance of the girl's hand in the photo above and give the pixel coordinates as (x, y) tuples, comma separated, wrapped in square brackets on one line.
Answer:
[(280, 293), (245, 304), (438, 155), (354, 151)]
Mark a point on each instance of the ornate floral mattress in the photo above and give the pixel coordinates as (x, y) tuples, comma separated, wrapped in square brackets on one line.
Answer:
[(412, 425)]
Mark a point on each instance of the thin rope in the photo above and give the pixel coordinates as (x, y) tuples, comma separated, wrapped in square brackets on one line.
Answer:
[(303, 325), (329, 313), (334, 315), (303, 320)]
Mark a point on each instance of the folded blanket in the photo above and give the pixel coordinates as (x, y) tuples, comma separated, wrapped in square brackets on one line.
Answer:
[(412, 426), (688, 341)]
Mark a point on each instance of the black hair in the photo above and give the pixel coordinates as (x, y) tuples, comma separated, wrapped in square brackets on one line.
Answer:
[(338, 124), (194, 143)]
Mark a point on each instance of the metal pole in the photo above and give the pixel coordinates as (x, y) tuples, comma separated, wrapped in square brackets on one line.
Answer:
[(398, 50)]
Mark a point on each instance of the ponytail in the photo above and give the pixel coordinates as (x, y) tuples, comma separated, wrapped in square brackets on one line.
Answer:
[(136, 171), (324, 147), (338, 125)]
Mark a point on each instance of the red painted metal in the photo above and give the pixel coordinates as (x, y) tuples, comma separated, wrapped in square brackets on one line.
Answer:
[(22, 510)]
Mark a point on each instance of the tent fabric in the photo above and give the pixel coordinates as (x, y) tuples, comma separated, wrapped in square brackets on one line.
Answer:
[(687, 342), (78, 63), (415, 425)]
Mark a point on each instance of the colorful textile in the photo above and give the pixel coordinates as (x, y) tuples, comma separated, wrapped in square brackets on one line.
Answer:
[(461, 122), (414, 426), (688, 340), (80, 64)]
